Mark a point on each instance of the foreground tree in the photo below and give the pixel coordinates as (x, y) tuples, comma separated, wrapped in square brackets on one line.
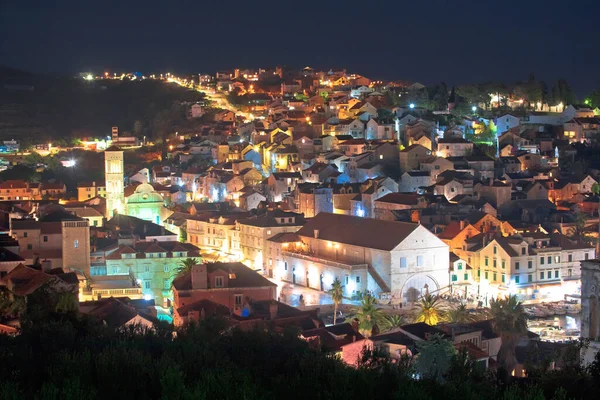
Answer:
[(435, 357), (510, 323), (337, 294), (459, 315), (430, 310), (394, 321), (186, 265), (370, 317)]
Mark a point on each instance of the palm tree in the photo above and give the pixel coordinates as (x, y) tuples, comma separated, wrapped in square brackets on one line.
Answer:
[(459, 315), (394, 321), (510, 323), (429, 310), (337, 294), (186, 265), (369, 316)]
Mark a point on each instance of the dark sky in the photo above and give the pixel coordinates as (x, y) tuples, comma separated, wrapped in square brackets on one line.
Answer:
[(460, 41)]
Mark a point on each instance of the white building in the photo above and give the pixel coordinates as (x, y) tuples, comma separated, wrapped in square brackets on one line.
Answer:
[(402, 259)]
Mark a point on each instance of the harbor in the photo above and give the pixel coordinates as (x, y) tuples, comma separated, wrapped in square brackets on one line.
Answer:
[(555, 321)]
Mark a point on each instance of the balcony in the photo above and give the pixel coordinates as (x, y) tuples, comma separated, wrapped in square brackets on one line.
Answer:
[(324, 261)]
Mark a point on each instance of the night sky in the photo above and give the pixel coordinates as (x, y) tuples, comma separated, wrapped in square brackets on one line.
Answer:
[(429, 41)]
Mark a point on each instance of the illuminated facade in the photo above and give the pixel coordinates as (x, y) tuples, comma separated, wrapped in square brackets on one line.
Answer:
[(115, 196), (401, 259), (146, 204), (256, 230), (152, 264)]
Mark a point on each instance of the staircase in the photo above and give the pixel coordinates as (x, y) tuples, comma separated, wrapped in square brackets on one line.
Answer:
[(384, 286)]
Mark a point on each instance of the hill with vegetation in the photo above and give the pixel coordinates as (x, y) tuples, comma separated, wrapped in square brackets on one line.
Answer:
[(41, 108)]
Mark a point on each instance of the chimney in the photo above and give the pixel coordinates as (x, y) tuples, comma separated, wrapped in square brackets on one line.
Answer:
[(199, 277), (273, 308), (46, 265), (462, 224), (316, 232), (94, 183)]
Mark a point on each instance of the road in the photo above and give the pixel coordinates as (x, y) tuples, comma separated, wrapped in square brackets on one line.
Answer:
[(218, 98)]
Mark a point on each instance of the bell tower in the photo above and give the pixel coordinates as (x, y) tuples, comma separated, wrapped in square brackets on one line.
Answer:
[(113, 169)]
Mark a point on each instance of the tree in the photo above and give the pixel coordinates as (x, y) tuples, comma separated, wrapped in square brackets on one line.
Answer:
[(459, 314), (369, 316), (429, 310), (66, 302), (186, 265), (33, 159), (562, 93), (337, 294), (138, 128), (435, 357), (394, 321), (510, 323)]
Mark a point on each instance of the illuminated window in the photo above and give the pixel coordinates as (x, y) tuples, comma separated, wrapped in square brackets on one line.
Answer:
[(557, 259)]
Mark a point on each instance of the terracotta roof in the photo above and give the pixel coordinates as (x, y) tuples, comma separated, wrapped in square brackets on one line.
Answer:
[(451, 230), (285, 237), (208, 307), (24, 280), (410, 199), (14, 184), (115, 313), (244, 277), (364, 232)]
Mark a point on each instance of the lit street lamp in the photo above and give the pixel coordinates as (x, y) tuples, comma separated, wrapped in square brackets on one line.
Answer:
[(412, 105)]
